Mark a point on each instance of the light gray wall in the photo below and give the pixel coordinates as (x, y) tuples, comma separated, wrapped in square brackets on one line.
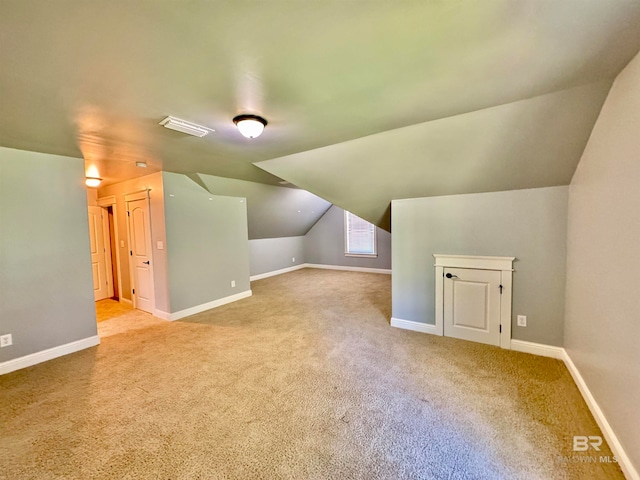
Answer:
[(207, 244), (602, 326), (271, 254), (527, 224), (272, 212), (154, 184), (46, 289), (324, 244)]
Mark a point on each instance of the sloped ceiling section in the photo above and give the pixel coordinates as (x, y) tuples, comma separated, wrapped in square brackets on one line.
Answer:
[(526, 144), (271, 211), (93, 79)]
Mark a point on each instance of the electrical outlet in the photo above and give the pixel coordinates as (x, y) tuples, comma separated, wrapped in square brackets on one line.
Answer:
[(6, 340), (233, 284), (293, 259), (522, 320)]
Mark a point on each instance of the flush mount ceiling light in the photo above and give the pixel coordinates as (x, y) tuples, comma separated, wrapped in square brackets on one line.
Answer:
[(141, 164), (185, 127), (250, 126), (92, 181)]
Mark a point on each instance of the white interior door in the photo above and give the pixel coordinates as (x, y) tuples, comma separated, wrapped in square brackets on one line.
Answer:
[(140, 252), (98, 253), (472, 304)]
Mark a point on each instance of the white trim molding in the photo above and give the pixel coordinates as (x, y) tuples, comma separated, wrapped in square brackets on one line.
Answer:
[(137, 195), (107, 201), (349, 269), (277, 272), (415, 326), (49, 354), (162, 314), (126, 301), (616, 447), (538, 349), (321, 267), (473, 261), (201, 308)]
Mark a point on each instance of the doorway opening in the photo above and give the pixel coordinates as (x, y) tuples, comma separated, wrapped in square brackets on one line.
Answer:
[(105, 258), (104, 266), (111, 229), (112, 244)]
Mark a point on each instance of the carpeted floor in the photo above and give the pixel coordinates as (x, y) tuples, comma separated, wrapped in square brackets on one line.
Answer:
[(304, 380)]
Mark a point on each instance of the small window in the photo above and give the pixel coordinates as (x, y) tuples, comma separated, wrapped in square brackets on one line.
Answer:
[(359, 237)]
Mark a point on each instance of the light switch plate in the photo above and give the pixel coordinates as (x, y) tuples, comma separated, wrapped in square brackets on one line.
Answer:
[(160, 245), (522, 320)]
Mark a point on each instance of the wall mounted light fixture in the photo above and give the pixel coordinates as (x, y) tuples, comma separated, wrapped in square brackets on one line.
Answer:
[(250, 126)]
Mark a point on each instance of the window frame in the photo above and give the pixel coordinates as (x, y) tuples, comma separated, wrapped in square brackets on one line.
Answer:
[(346, 239)]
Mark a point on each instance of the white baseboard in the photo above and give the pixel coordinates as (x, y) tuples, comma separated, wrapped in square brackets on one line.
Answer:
[(349, 269), (538, 349), (616, 447), (126, 302), (415, 326), (161, 314), (49, 354), (205, 306), (323, 267), (277, 272)]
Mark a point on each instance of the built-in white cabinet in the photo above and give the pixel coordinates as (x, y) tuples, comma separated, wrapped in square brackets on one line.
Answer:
[(473, 298)]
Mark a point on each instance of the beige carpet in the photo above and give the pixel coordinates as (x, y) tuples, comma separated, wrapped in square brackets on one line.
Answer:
[(304, 380)]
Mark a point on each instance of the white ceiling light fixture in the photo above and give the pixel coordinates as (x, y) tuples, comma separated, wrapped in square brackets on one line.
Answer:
[(92, 182), (250, 126), (183, 126), (141, 164)]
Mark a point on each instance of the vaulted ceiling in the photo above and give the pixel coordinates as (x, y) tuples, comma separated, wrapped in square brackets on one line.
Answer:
[(530, 143), (271, 211), (92, 79)]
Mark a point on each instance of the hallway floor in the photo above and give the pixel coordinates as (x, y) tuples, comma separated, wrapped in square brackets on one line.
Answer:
[(116, 317)]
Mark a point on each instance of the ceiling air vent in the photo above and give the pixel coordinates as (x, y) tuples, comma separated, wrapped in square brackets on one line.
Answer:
[(185, 127)]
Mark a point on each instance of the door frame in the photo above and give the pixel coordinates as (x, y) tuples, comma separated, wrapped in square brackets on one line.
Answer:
[(502, 264), (132, 197), (105, 202)]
